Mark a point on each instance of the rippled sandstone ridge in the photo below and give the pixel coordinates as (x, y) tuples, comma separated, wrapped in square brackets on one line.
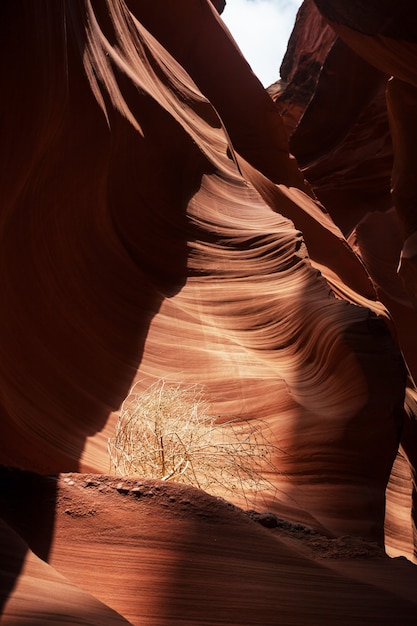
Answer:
[(155, 224)]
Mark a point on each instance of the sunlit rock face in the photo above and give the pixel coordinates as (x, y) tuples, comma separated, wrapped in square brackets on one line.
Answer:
[(347, 97), (154, 225)]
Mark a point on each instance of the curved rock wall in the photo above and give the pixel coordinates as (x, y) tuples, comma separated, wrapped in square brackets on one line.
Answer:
[(360, 159), (139, 242), (154, 225)]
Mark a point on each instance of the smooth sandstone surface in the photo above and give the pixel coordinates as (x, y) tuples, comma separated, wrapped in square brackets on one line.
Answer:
[(159, 553), (155, 224)]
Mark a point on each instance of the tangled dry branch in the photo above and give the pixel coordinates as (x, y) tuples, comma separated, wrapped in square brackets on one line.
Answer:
[(167, 432)]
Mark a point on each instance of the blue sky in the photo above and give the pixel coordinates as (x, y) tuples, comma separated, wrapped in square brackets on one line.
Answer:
[(262, 28)]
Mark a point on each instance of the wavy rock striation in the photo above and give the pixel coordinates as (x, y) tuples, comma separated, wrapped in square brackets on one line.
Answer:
[(154, 224), (353, 157)]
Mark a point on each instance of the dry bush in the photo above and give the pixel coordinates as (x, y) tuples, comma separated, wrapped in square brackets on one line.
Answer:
[(166, 432)]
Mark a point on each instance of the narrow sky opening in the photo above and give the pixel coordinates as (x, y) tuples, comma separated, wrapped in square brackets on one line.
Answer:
[(261, 29)]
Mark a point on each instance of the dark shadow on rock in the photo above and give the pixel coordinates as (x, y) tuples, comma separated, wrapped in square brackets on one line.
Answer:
[(93, 237)]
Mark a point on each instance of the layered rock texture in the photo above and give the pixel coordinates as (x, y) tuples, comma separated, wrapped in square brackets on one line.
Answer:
[(156, 225), (360, 159)]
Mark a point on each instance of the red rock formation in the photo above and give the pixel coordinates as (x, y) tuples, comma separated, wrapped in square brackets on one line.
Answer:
[(159, 553), (382, 36), (352, 158), (155, 225), (340, 132)]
